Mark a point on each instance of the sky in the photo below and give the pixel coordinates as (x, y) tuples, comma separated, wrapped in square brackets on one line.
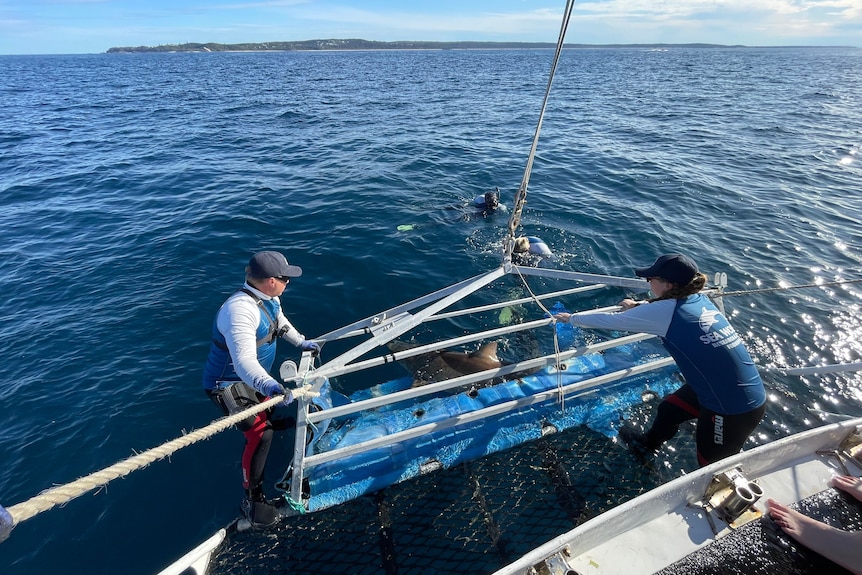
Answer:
[(94, 26)]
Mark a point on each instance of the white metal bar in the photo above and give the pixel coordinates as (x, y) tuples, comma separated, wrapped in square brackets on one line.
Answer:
[(393, 330), (431, 347), (816, 369), (413, 393), (411, 433), (443, 344), (635, 284), (516, 302), (364, 326)]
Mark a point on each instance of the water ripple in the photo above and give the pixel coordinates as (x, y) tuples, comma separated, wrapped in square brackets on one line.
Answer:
[(135, 188)]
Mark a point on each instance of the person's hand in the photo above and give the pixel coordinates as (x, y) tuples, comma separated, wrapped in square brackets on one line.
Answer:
[(272, 388), (306, 391), (312, 346), (629, 304), (563, 317)]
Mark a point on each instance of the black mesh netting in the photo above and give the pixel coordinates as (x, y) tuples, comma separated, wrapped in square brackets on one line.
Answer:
[(473, 518), (477, 517)]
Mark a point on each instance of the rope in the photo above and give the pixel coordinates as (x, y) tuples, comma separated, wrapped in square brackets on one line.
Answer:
[(801, 286), (296, 505), (558, 363), (62, 494), (521, 196), (815, 369)]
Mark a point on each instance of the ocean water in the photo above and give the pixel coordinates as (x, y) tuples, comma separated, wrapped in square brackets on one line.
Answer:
[(135, 187)]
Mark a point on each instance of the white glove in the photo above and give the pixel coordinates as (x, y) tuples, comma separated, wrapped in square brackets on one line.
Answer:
[(306, 391)]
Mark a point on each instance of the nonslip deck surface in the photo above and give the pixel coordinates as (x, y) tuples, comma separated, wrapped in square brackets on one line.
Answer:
[(762, 548)]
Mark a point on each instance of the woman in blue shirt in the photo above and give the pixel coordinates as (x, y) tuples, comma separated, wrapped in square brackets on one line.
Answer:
[(722, 389)]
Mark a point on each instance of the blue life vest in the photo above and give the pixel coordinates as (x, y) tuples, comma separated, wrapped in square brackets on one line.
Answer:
[(219, 365), (712, 357)]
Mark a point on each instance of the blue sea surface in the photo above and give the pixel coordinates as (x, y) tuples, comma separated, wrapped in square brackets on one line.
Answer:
[(136, 186)]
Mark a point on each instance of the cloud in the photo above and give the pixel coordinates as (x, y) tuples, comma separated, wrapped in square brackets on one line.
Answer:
[(766, 22), (402, 22)]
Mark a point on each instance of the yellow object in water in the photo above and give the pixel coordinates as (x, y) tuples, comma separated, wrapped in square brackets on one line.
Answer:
[(506, 315), (406, 227)]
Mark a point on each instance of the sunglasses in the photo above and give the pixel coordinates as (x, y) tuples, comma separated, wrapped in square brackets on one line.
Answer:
[(283, 279)]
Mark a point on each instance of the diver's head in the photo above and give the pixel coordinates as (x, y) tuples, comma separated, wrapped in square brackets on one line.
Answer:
[(492, 200), (522, 245)]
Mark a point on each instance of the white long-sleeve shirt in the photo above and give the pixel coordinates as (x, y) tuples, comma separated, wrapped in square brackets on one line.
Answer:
[(238, 320)]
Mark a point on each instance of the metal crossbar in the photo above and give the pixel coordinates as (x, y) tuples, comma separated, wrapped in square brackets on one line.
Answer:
[(382, 328), (479, 414)]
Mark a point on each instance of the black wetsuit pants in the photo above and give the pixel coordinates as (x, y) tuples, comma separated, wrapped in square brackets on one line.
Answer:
[(718, 435), (258, 432)]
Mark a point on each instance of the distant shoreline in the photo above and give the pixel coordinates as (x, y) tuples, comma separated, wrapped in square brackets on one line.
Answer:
[(352, 44)]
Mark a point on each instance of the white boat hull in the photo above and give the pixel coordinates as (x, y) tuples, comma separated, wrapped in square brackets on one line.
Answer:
[(196, 561), (665, 525)]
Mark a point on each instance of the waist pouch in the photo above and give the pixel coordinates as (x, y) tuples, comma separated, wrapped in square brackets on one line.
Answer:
[(237, 397)]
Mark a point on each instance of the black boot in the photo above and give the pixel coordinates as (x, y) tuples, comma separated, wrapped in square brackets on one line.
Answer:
[(259, 512), (638, 443)]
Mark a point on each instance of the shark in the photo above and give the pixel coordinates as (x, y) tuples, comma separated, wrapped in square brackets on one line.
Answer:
[(445, 364)]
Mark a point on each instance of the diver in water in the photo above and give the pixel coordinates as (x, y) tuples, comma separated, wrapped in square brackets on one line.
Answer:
[(530, 251), (487, 203), (483, 205)]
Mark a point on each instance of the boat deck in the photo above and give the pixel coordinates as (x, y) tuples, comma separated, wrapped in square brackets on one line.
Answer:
[(679, 523), (478, 517), (472, 518), (761, 548), (757, 547)]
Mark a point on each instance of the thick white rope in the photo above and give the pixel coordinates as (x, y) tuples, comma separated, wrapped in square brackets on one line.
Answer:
[(62, 494)]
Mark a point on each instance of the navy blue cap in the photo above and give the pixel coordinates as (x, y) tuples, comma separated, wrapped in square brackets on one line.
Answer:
[(272, 265), (675, 268)]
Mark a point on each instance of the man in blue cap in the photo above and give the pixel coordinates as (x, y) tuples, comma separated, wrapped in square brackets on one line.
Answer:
[(722, 389), (236, 375)]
